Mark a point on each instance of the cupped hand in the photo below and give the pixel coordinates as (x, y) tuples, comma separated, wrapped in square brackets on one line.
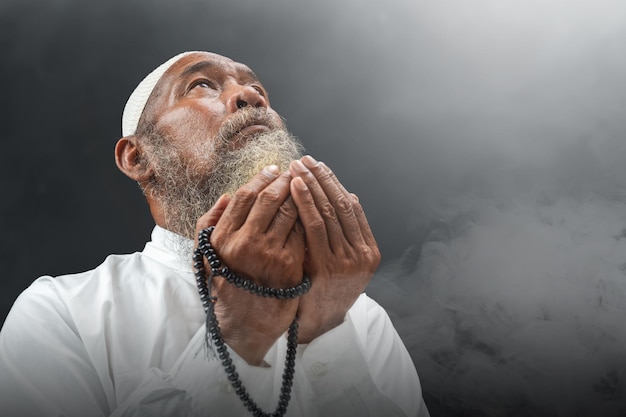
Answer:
[(258, 237), (342, 254)]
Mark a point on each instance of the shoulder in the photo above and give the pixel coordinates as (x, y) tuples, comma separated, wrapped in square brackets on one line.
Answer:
[(49, 294), (115, 268), (119, 278), (107, 302)]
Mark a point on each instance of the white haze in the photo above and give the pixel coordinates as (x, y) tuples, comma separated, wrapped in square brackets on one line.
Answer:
[(512, 300)]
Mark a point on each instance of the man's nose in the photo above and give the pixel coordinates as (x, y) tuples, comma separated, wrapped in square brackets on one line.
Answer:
[(242, 96)]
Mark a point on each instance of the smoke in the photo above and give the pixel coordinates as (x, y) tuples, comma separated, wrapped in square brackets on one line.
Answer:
[(512, 297), (515, 303), (484, 138)]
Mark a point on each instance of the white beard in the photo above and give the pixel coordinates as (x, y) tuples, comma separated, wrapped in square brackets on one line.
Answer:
[(187, 187)]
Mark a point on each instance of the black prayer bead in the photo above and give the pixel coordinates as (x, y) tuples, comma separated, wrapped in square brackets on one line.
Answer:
[(213, 330)]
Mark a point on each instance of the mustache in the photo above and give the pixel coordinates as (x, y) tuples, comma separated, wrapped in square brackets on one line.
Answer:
[(245, 117)]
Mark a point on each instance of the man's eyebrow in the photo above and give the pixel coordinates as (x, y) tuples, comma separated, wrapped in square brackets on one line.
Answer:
[(197, 67), (202, 65), (246, 70)]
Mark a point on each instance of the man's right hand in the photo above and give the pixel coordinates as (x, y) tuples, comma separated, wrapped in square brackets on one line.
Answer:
[(258, 237)]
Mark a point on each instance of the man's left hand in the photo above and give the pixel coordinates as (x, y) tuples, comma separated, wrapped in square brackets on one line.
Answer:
[(342, 254)]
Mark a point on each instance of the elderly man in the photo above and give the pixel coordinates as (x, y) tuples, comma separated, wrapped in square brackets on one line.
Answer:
[(268, 318)]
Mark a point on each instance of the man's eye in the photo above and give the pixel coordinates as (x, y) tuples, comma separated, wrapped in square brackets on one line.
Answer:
[(202, 84), (259, 90)]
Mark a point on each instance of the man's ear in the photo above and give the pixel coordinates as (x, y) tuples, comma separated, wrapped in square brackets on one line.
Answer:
[(129, 161)]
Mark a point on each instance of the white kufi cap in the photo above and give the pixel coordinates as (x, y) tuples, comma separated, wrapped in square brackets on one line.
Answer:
[(138, 99)]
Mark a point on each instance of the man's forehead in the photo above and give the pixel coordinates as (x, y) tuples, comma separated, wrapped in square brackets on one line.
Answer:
[(202, 61)]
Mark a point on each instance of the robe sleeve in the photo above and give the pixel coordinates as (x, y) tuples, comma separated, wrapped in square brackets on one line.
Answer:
[(45, 370), (362, 367), (44, 367)]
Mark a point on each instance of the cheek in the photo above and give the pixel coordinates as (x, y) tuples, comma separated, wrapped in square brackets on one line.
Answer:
[(186, 124)]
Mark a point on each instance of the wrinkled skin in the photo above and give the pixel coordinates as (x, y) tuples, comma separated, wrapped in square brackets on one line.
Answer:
[(256, 234), (341, 254)]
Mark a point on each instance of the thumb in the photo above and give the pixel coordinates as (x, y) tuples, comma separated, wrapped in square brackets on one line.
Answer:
[(211, 217)]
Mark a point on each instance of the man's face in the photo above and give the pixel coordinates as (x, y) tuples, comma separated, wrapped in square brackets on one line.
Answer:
[(208, 129)]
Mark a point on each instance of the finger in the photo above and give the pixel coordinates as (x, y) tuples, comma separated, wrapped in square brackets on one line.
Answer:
[(296, 237), (243, 199), (338, 197), (268, 204), (312, 221), (211, 217), (335, 236), (364, 225), (311, 163), (284, 220)]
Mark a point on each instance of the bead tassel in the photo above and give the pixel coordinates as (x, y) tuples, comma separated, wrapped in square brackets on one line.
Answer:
[(214, 339)]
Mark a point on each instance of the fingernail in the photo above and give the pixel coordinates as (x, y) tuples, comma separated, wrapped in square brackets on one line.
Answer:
[(309, 160), (272, 169), (298, 166), (299, 183)]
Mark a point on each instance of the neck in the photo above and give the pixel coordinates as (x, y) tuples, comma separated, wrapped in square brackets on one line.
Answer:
[(180, 245)]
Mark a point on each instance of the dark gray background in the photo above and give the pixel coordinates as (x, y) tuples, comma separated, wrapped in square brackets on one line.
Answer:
[(485, 139)]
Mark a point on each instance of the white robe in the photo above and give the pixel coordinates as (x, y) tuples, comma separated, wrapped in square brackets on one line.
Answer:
[(126, 339)]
